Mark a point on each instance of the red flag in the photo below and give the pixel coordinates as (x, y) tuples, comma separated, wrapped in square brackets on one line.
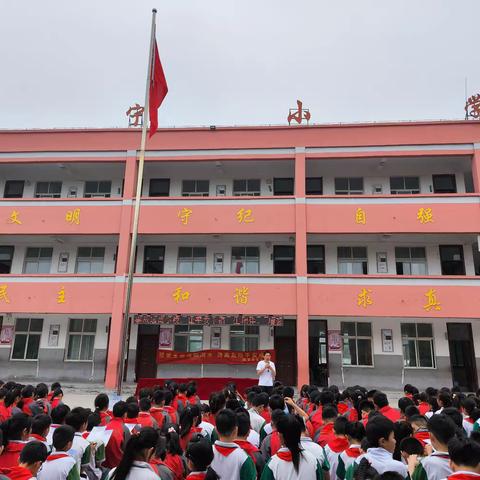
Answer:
[(158, 90)]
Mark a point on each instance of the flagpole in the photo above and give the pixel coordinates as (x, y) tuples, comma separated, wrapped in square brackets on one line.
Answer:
[(138, 195)]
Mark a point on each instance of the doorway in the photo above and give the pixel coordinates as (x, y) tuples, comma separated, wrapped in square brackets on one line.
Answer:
[(462, 356), (317, 352), (147, 346), (286, 352)]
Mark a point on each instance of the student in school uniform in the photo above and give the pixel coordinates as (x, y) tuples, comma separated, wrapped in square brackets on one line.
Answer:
[(29, 463), (40, 428), (336, 445), (144, 418), (156, 410), (420, 429), (101, 408), (355, 433), (437, 465), (380, 401), (325, 433), (230, 461), (255, 411), (291, 462), (199, 456), (464, 459), (60, 465), (120, 435), (309, 445), (243, 423), (134, 464), (16, 432), (157, 460), (81, 449), (270, 444)]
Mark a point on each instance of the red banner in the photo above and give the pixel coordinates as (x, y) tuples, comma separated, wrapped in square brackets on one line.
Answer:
[(212, 356)]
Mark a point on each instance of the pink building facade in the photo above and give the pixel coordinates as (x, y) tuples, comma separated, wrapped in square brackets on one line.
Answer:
[(352, 250)]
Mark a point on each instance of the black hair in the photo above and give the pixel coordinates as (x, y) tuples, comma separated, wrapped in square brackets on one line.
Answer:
[(77, 418), (119, 409), (191, 390), (411, 446), (146, 439), (455, 415), (28, 391), (161, 448), (217, 402), (464, 452), (327, 397), (189, 418), (94, 420), (158, 396), (13, 428), (59, 413), (388, 476), (41, 423), (56, 393), (291, 432), (259, 400), (62, 436), (167, 397), (132, 399), (442, 427), (101, 401), (276, 416), (380, 400), (365, 471), (445, 398), (232, 404), (145, 404), (11, 396), (41, 390), (418, 420), (404, 403), (276, 402), (144, 393), (366, 405), (33, 452), (288, 392), (173, 440), (355, 430), (243, 422), (225, 422), (132, 410), (54, 386), (200, 453), (411, 411), (377, 428), (401, 430), (329, 412)]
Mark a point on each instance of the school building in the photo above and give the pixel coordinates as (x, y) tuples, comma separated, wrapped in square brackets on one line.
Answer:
[(350, 250)]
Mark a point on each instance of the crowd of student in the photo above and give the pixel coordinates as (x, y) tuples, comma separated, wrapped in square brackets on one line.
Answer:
[(167, 433)]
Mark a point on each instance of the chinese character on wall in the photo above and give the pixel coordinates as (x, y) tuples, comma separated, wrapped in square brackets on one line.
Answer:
[(14, 218), (432, 302), (73, 217), (245, 216), (180, 295), (184, 215), (241, 296), (361, 216), (425, 215), (364, 299)]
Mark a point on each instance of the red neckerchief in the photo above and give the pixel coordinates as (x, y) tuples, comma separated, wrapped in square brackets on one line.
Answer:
[(470, 420), (464, 476), (38, 437), (197, 476), (275, 443), (342, 408), (225, 451), (26, 402), (424, 407), (56, 456), (19, 473), (338, 444), (285, 455), (422, 436), (15, 446), (353, 452), (248, 448)]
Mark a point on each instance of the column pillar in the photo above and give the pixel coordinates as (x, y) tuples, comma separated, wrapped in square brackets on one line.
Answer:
[(476, 168), (303, 375), (123, 252)]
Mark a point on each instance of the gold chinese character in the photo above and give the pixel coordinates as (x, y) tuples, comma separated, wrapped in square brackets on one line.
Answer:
[(73, 217), (245, 216), (364, 299), (184, 215), (180, 295), (61, 295), (241, 296), (361, 216), (425, 215), (432, 301), (3, 293), (14, 218)]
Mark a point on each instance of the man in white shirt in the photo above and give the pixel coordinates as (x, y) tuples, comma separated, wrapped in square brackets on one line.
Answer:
[(266, 373)]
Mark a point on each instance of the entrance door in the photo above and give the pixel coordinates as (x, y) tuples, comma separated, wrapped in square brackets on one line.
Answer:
[(147, 346), (286, 352), (318, 355), (462, 356)]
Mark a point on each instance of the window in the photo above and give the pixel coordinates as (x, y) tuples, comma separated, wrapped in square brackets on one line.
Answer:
[(352, 260), (407, 185), (250, 187), (153, 259), (98, 189), (244, 338), (90, 260), (192, 260), (349, 186), (14, 189), (314, 186), (451, 258), (188, 338), (38, 260), (27, 338), (417, 345), (283, 186), (159, 187), (245, 260), (283, 259), (411, 260), (315, 259), (357, 343), (48, 189), (195, 188), (6, 257), (444, 184), (81, 338)]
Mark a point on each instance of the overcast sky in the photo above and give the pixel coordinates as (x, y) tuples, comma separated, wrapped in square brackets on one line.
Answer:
[(81, 63)]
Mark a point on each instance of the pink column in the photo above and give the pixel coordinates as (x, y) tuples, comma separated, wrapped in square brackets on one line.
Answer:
[(476, 170), (301, 268), (115, 340)]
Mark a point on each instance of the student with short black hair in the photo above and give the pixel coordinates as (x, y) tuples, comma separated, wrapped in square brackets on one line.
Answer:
[(199, 459), (144, 418), (31, 459), (120, 436), (380, 400), (464, 459), (78, 420), (40, 428), (243, 421), (410, 446), (355, 433), (16, 432), (256, 419), (60, 465), (230, 461)]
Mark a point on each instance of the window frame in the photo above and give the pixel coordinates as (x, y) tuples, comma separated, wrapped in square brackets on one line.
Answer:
[(97, 194), (32, 260), (12, 253), (191, 260), (316, 259), (283, 259), (192, 331), (49, 185), (196, 192), (80, 334), (281, 194), (246, 259), (243, 334), (411, 260), (404, 190), (349, 190), (353, 260), (439, 176), (357, 337), (162, 247), (166, 180), (308, 191), (444, 263), (29, 332), (416, 339), (247, 192), (9, 183), (91, 257)]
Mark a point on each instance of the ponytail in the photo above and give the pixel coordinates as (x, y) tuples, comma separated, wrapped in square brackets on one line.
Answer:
[(146, 439), (211, 474), (291, 431), (189, 418), (365, 471)]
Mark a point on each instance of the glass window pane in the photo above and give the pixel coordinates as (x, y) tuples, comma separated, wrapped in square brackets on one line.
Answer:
[(33, 345), (46, 252), (356, 183), (105, 187), (185, 267), (409, 353), (96, 266), (90, 325), (42, 187), (195, 344), (417, 269), (98, 252), (188, 186), (199, 252), (181, 328), (254, 185), (236, 343), (252, 266), (83, 267), (408, 330), (402, 252), (203, 186), (180, 343), (30, 267), (199, 267), (418, 252), (44, 265), (19, 346), (364, 329), (76, 325), (344, 252), (396, 183), (32, 252), (341, 184), (357, 268), (185, 252), (359, 252), (424, 330), (238, 252), (84, 252), (364, 351), (36, 324), (86, 352), (412, 183), (348, 328), (74, 342), (252, 252), (425, 353), (251, 344), (236, 329), (22, 324)]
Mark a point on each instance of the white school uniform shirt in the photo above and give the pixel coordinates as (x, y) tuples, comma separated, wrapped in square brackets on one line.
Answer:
[(332, 458), (266, 377), (382, 461), (436, 465), (207, 427), (253, 438), (314, 448), (468, 427), (228, 467), (57, 467), (139, 471), (278, 469), (78, 449), (256, 420)]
